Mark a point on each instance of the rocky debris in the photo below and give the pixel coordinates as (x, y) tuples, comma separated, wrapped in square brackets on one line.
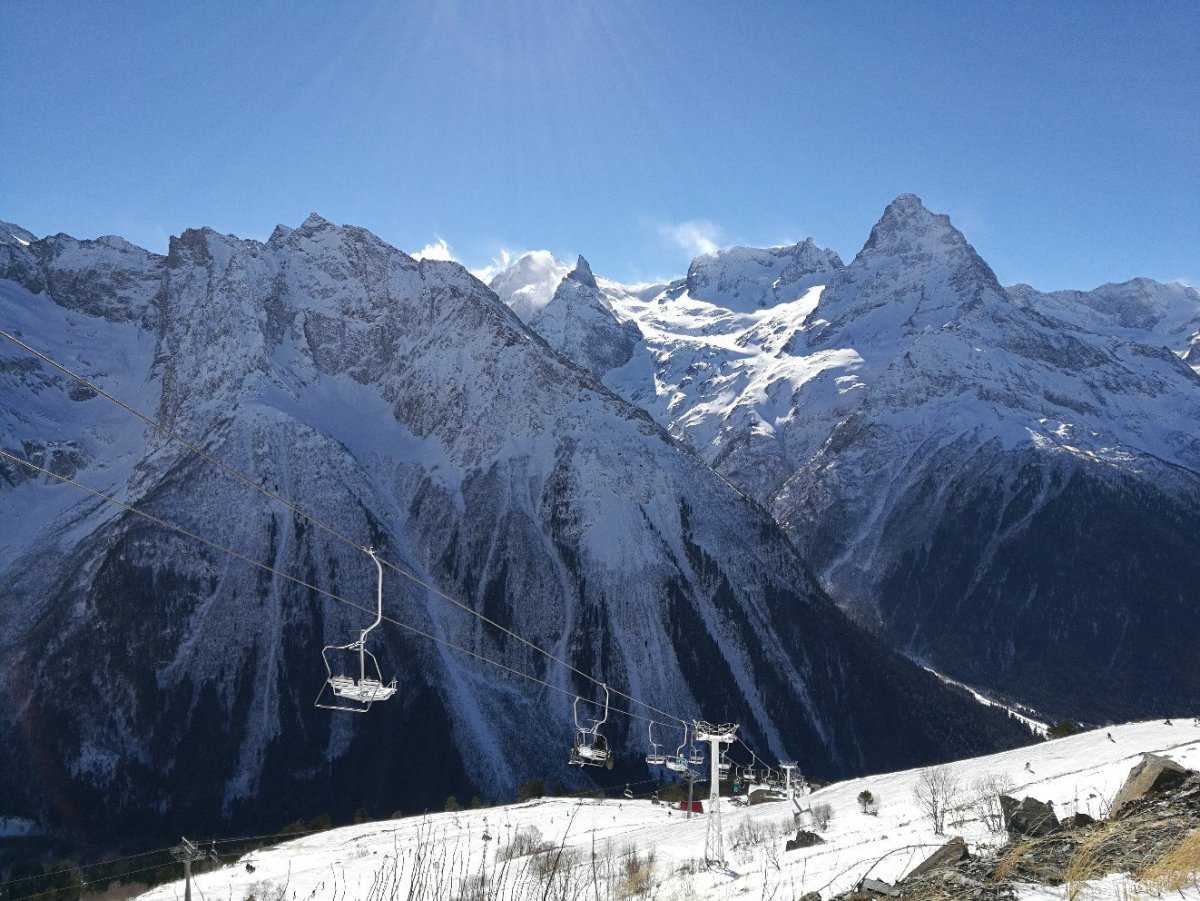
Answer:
[(803, 839), (1147, 827), (1153, 774), (950, 853), (1031, 817)]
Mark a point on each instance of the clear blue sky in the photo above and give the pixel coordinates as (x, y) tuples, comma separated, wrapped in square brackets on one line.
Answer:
[(1064, 139)]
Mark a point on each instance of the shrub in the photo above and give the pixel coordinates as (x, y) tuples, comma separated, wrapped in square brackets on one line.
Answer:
[(822, 814), (523, 843)]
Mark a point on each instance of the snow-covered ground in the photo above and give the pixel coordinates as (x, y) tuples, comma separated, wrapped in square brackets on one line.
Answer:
[(1080, 773)]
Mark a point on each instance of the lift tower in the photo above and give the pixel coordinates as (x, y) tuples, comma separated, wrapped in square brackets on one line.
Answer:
[(716, 735)]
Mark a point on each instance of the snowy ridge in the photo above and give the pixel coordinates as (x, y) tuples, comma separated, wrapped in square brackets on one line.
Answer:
[(925, 436)]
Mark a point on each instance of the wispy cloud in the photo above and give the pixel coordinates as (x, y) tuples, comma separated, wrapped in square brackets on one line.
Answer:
[(438, 249), (696, 236), (499, 263)]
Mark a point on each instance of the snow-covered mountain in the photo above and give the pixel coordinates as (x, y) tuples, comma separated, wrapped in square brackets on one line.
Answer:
[(160, 685), (1006, 483)]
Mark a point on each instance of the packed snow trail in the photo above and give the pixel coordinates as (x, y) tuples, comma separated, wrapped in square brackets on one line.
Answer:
[(1079, 773)]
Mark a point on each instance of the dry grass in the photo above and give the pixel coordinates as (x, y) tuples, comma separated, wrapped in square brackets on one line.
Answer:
[(1084, 865), (1177, 869), (1006, 864)]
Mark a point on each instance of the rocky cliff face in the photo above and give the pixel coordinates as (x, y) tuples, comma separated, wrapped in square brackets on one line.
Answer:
[(158, 685), (1005, 483)]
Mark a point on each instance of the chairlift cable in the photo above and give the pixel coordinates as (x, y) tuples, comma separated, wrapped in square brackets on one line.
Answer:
[(236, 474), (301, 582)]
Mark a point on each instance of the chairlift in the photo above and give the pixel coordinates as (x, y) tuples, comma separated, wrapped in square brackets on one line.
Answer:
[(590, 747), (359, 692), (695, 755), (656, 756), (749, 774), (679, 763)]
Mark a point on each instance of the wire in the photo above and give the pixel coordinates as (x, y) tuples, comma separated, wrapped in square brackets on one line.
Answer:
[(84, 883), (236, 474), (301, 582), (90, 866)]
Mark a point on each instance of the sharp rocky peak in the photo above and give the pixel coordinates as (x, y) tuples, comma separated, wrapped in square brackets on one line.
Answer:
[(315, 222), (582, 273), (907, 226)]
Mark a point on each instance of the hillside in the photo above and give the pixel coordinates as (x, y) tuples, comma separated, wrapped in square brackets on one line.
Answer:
[(1078, 774)]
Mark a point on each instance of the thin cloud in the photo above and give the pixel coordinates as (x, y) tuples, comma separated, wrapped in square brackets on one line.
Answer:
[(696, 236), (498, 264), (438, 249)]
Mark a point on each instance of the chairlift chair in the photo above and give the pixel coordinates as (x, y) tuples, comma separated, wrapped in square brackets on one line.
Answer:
[(656, 756), (590, 747), (357, 692), (679, 763)]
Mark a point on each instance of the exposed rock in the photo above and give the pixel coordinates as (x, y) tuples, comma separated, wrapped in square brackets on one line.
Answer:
[(879, 887), (764, 796), (950, 853), (1152, 774), (1029, 818), (803, 839)]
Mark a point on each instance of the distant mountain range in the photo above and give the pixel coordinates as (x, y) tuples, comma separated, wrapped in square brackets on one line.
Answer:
[(1003, 483), (150, 685)]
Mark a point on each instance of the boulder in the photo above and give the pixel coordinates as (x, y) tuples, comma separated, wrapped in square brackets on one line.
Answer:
[(948, 854), (1030, 818), (766, 796), (1078, 820), (879, 887), (803, 839), (1152, 774)]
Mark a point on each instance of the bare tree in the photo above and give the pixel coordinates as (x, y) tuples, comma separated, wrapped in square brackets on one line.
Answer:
[(936, 792), (822, 814), (985, 799)]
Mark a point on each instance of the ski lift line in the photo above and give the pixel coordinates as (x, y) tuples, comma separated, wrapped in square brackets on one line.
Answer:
[(83, 883), (754, 758), (87, 866), (301, 582), (239, 476)]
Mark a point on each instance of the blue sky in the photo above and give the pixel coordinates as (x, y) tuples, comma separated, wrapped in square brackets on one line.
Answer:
[(1062, 138)]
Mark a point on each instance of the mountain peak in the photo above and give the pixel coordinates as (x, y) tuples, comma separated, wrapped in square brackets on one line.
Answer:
[(582, 273), (315, 222), (908, 228)]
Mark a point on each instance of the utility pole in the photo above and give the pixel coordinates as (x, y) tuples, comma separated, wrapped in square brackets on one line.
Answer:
[(691, 778), (716, 736), (187, 852)]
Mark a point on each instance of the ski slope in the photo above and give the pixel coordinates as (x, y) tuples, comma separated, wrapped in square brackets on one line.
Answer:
[(1079, 773)]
